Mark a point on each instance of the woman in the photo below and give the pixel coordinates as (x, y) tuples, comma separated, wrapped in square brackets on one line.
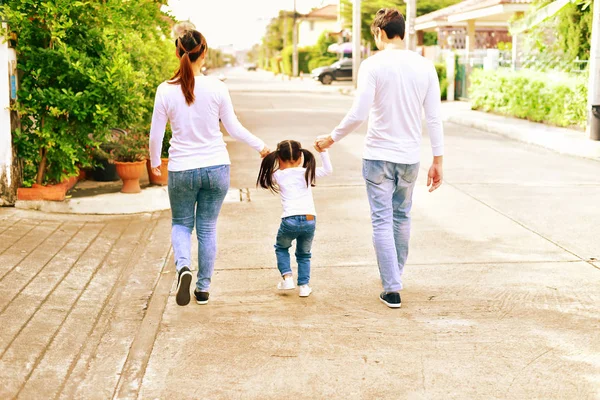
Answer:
[(198, 159)]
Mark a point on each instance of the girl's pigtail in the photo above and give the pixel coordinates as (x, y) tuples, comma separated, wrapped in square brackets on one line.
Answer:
[(311, 167), (267, 168)]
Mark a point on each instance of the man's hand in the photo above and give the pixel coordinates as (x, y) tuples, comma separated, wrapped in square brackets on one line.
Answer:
[(323, 143), (436, 174), (156, 171), (265, 152)]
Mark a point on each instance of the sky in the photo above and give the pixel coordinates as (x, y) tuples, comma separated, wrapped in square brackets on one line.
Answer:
[(240, 23)]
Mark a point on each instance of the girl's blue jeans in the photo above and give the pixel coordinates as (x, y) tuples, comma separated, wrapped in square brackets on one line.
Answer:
[(196, 196), (301, 230)]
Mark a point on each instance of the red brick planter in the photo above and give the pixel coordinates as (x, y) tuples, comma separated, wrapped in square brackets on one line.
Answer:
[(130, 173), (164, 170)]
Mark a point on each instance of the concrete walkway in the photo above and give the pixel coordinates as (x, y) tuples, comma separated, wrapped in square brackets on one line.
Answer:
[(501, 298)]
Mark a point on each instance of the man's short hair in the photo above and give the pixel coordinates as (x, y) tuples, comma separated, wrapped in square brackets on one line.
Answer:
[(391, 21)]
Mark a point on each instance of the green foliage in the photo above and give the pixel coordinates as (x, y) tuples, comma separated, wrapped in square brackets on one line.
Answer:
[(164, 153), (273, 40), (559, 41), (132, 147), (305, 54), (370, 7), (275, 65), (325, 40), (85, 66), (443, 77), (550, 98), (322, 61)]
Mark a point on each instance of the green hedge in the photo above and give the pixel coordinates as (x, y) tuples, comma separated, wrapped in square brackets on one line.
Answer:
[(304, 56), (443, 77), (322, 61), (274, 65), (555, 99)]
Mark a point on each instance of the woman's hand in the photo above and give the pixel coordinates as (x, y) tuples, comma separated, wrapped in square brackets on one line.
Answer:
[(265, 152), (156, 171)]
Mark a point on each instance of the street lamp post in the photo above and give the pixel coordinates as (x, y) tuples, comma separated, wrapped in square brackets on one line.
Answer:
[(356, 40), (295, 44), (594, 85), (411, 16)]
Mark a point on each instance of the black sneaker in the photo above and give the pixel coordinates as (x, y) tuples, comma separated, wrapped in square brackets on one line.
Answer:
[(184, 279), (392, 299), (201, 297)]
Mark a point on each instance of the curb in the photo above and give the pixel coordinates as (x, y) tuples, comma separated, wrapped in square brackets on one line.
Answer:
[(150, 200), (560, 140)]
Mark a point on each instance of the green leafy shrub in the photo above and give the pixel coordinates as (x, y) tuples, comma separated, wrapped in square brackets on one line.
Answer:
[(305, 54), (164, 153), (275, 66), (540, 97), (321, 62), (442, 76), (85, 67)]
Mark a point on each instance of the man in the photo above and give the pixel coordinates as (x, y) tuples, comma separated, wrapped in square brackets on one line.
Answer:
[(394, 86)]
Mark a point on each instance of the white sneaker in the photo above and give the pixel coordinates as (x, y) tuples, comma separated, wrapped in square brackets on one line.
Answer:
[(305, 290), (286, 284)]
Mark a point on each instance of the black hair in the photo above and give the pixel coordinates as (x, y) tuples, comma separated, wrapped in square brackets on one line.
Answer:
[(391, 21), (288, 150)]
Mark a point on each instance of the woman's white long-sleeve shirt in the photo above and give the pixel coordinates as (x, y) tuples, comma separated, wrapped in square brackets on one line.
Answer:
[(197, 140), (394, 87), (296, 195)]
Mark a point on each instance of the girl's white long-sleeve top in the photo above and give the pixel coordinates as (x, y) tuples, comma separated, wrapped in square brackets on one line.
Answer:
[(296, 195), (197, 140), (394, 87)]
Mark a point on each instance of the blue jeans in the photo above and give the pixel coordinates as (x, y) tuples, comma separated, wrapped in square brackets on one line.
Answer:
[(303, 231), (197, 195), (390, 189)]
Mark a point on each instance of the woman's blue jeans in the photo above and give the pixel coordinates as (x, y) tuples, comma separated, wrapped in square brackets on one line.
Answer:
[(196, 196)]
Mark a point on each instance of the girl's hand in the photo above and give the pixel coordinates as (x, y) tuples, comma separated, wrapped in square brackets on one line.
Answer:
[(265, 152), (156, 171)]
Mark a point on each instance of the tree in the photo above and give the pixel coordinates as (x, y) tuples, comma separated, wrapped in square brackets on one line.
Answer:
[(563, 39), (85, 67), (370, 7)]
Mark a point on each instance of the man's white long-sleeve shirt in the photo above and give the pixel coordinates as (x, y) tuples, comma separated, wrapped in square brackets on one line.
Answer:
[(197, 139), (394, 86)]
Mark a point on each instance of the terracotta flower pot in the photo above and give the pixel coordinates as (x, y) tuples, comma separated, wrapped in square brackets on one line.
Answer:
[(47, 192), (130, 173), (164, 170), (39, 192)]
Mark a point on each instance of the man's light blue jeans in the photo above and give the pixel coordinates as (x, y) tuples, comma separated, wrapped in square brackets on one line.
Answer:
[(390, 189), (197, 195), (301, 230)]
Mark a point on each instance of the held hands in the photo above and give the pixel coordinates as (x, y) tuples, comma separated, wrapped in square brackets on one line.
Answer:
[(435, 175), (323, 142)]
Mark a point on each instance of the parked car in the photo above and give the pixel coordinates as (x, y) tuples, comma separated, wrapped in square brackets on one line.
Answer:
[(338, 71), (251, 66)]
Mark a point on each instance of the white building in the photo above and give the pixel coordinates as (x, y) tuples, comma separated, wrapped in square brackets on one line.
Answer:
[(8, 69), (313, 24)]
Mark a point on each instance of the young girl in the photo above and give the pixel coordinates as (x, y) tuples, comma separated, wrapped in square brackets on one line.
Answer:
[(291, 171)]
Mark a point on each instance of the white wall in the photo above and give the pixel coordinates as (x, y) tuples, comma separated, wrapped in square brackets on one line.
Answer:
[(6, 56), (308, 35)]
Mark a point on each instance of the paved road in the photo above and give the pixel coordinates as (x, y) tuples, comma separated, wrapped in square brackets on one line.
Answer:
[(501, 291)]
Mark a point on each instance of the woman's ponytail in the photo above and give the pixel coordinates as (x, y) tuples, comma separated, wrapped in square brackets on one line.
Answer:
[(190, 47), (268, 166), (311, 167)]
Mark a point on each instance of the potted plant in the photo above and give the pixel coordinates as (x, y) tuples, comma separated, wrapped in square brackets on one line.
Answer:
[(104, 170), (130, 158), (163, 179)]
